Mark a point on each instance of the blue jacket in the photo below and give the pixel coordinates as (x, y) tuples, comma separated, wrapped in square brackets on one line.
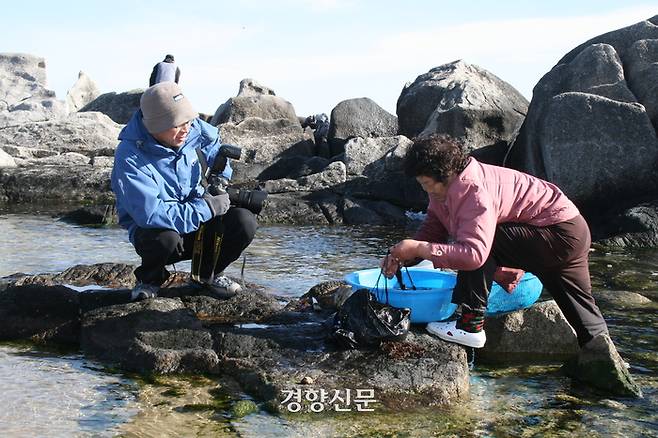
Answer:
[(160, 187)]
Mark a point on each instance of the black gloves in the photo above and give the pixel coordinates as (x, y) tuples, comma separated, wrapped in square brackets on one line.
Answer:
[(218, 204)]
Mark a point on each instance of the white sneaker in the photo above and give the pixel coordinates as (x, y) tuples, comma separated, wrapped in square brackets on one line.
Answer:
[(223, 287), (448, 331), (142, 291)]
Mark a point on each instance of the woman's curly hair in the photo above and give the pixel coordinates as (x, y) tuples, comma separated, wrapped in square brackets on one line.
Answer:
[(436, 156)]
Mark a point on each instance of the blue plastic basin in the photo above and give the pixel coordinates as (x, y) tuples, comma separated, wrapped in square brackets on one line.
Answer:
[(431, 299)]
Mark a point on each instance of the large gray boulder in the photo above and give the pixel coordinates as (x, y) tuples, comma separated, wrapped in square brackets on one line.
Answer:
[(254, 100), (263, 141), (91, 134), (589, 127), (538, 333), (120, 107), (374, 171), (82, 92), (23, 93), (61, 160), (52, 182), (374, 157), (463, 101), (360, 117), (300, 208), (639, 224)]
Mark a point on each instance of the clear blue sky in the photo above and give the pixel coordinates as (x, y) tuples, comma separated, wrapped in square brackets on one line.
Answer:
[(313, 53)]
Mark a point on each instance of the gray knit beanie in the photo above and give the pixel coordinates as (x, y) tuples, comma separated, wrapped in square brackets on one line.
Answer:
[(164, 106)]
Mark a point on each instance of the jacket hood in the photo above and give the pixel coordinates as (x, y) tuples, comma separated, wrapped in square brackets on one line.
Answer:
[(135, 131)]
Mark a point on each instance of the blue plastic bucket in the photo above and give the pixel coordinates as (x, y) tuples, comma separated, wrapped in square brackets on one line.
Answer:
[(431, 299)]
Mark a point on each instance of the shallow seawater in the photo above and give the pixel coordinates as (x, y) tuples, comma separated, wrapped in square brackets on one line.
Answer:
[(50, 393), (53, 393)]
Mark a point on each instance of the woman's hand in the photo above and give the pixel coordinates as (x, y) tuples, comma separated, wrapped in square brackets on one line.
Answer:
[(389, 265), (403, 252), (409, 249)]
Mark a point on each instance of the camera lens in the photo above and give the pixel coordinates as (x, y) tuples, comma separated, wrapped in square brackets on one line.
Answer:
[(249, 199)]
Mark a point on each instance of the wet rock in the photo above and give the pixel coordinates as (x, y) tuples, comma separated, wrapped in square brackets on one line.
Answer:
[(82, 92), (242, 408), (436, 374), (621, 299), (158, 335), (112, 275), (360, 117), (119, 107), (251, 306), (102, 274), (93, 215), (463, 101), (330, 295), (185, 331), (538, 333), (598, 364), (40, 314)]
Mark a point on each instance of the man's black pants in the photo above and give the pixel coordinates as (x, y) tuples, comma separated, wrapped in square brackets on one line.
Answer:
[(557, 254), (160, 247)]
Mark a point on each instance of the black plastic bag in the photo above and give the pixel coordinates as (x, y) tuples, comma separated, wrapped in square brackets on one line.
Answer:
[(363, 322)]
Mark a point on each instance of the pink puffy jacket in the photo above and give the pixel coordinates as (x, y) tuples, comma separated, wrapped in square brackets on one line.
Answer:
[(481, 197)]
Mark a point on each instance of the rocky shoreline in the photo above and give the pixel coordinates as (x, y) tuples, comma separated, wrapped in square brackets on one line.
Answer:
[(268, 345)]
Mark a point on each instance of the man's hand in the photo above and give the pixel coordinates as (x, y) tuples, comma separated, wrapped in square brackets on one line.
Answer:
[(219, 204)]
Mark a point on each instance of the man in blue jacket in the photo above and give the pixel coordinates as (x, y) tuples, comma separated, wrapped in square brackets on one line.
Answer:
[(157, 180)]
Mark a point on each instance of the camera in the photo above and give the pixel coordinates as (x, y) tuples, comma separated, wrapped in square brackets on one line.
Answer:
[(252, 200)]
